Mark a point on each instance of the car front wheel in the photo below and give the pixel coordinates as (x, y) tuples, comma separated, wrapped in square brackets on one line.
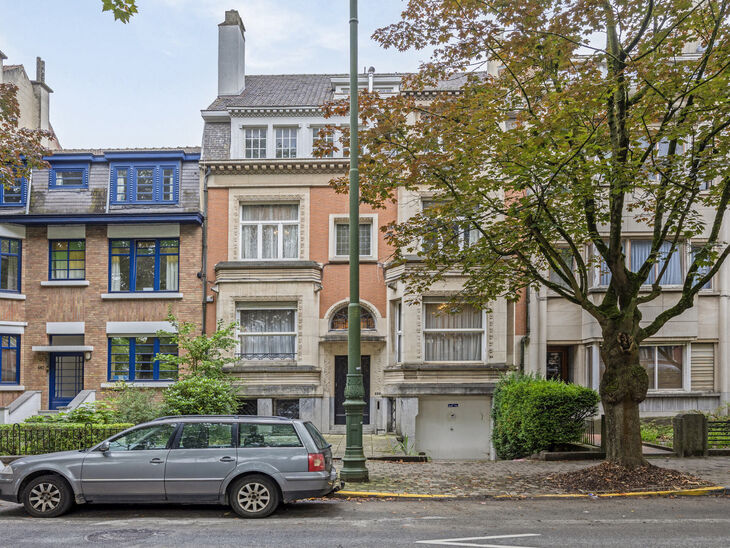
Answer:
[(254, 496), (47, 497)]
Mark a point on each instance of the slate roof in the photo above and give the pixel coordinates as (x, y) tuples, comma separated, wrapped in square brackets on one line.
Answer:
[(297, 90)]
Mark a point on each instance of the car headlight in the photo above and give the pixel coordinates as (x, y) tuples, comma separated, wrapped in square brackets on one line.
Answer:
[(6, 470)]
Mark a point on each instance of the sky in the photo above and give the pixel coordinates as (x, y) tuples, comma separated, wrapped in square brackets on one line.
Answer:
[(143, 84)]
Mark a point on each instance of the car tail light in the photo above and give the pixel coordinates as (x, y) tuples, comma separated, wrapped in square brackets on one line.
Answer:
[(316, 462)]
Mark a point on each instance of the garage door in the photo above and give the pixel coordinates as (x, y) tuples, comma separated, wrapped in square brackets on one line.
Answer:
[(454, 427)]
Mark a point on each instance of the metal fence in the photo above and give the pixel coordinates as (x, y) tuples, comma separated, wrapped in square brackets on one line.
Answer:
[(36, 439), (718, 434), (591, 433)]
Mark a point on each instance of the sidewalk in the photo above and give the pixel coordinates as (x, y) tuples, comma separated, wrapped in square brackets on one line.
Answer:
[(373, 445), (486, 478)]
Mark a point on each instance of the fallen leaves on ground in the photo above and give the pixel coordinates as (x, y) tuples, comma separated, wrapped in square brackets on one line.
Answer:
[(609, 477)]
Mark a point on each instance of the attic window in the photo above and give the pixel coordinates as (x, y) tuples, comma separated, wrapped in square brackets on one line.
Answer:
[(69, 176)]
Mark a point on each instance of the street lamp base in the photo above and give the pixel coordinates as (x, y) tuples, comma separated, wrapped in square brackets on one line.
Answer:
[(353, 469)]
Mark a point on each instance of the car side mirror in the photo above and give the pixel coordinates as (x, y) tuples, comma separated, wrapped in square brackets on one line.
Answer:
[(104, 447)]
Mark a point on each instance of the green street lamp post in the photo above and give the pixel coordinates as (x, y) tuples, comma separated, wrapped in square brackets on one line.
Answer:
[(353, 463)]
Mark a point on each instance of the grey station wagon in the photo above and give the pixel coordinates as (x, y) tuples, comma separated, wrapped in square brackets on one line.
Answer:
[(251, 463)]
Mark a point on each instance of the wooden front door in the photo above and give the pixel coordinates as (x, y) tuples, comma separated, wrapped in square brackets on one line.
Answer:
[(557, 363), (341, 380)]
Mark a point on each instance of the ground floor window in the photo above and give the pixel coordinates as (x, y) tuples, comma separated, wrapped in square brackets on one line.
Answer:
[(267, 333), (248, 407), (456, 337), (9, 359), (664, 365), (287, 408), (135, 359)]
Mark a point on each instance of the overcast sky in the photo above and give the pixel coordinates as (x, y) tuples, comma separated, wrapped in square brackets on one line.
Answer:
[(144, 83)]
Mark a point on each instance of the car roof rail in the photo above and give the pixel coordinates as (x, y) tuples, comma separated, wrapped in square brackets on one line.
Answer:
[(168, 417)]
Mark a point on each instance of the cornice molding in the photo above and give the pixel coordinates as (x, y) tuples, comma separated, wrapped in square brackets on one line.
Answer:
[(275, 167), (258, 112)]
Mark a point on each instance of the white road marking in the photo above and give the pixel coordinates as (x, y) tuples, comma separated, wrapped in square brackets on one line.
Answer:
[(460, 541)]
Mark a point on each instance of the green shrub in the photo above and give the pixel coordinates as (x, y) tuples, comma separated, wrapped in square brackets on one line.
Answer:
[(197, 395), (39, 438), (135, 405), (97, 412), (533, 414)]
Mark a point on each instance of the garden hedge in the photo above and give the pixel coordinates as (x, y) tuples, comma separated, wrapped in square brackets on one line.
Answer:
[(39, 438), (533, 414)]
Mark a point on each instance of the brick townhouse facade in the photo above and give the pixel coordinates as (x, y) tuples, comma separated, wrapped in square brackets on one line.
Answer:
[(94, 251), (277, 264)]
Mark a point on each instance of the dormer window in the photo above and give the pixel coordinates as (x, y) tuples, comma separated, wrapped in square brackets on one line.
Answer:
[(141, 183), (14, 194), (286, 142), (69, 176), (255, 142)]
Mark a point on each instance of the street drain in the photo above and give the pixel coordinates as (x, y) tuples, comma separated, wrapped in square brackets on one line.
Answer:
[(123, 535)]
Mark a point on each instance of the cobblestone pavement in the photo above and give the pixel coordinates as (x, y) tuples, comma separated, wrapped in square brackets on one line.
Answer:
[(380, 445), (479, 478)]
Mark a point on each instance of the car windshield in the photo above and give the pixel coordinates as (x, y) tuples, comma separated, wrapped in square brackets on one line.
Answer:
[(318, 438)]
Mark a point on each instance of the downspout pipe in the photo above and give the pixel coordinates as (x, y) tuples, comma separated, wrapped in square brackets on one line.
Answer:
[(204, 263)]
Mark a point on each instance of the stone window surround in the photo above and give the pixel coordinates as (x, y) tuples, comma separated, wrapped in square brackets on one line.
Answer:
[(238, 200), (336, 218), (235, 302)]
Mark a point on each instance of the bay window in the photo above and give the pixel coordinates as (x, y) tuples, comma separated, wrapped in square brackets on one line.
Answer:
[(457, 337), (637, 251), (270, 231), (144, 265), (267, 332)]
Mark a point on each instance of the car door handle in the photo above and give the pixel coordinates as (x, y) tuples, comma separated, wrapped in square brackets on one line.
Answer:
[(227, 459), (157, 461)]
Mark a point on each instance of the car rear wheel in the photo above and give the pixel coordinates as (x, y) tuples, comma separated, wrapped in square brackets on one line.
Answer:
[(47, 497), (254, 496)]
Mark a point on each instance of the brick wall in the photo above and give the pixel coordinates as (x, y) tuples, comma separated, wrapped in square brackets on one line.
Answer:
[(217, 242), (335, 277), (84, 304)]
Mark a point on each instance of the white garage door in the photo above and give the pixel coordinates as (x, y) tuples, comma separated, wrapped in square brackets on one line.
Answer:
[(454, 427)]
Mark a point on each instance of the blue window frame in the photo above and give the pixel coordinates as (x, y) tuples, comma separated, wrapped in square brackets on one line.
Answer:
[(10, 259), (13, 195), (145, 183), (135, 359), (68, 175), (66, 259), (9, 359), (144, 265)]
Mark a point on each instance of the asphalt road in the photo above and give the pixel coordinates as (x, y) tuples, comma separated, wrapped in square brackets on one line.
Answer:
[(689, 521)]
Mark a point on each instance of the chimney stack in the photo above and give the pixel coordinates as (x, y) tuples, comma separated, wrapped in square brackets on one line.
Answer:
[(231, 55), (42, 93), (2, 58)]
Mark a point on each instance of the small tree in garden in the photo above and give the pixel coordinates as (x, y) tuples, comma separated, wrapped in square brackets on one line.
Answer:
[(594, 114), (199, 395), (198, 354)]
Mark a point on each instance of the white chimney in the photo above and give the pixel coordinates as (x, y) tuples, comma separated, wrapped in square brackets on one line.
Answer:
[(2, 58), (231, 55)]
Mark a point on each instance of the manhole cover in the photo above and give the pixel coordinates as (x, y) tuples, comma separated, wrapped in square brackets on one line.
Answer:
[(121, 535)]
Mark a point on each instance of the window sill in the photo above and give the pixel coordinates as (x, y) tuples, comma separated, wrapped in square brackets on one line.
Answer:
[(65, 283), (140, 296), (12, 296), (11, 388), (139, 384)]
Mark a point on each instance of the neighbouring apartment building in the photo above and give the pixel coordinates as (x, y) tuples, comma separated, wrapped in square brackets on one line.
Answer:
[(278, 266), (33, 97), (94, 251)]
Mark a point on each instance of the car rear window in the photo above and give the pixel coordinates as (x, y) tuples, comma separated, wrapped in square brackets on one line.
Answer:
[(318, 438), (268, 435), (206, 435)]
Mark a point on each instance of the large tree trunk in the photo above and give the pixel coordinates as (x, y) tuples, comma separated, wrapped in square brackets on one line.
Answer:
[(623, 387)]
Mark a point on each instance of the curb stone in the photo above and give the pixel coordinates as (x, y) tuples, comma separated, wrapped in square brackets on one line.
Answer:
[(700, 491)]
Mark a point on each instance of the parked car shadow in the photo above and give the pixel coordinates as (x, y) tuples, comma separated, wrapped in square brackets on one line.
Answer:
[(311, 507)]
